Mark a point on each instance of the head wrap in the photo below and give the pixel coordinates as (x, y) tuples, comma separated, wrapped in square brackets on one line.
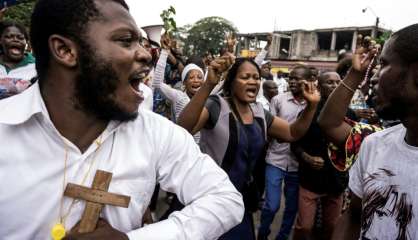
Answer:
[(188, 68)]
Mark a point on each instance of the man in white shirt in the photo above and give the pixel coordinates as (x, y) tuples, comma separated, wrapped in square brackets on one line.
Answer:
[(383, 180), (281, 82), (269, 91), (82, 115)]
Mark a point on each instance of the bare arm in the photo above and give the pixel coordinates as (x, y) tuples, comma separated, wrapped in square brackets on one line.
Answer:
[(348, 226), (331, 118), (194, 116), (282, 130), (263, 53), (286, 132), (174, 61), (158, 83)]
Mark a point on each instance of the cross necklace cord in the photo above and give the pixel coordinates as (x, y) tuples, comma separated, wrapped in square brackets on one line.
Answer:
[(58, 230)]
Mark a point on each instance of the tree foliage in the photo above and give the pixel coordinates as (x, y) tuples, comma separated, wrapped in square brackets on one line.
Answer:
[(167, 16), (384, 37), (207, 34), (21, 12)]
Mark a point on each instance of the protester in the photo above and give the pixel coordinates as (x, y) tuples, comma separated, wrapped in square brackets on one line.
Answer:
[(319, 180), (82, 115), (281, 82), (269, 91), (17, 67), (381, 178), (234, 129), (191, 76), (345, 135), (282, 165)]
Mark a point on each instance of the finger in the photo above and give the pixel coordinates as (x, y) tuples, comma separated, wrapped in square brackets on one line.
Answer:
[(218, 61), (305, 86), (223, 64), (102, 223), (366, 42), (230, 61), (359, 41), (311, 87), (320, 163), (378, 47), (215, 65)]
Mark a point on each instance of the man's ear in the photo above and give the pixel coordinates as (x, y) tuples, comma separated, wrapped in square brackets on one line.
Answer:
[(63, 50)]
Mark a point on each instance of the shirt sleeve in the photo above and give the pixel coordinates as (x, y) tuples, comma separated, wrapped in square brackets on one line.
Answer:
[(158, 82), (260, 57), (356, 173), (213, 106), (269, 118), (213, 205), (160, 69), (180, 104), (275, 105)]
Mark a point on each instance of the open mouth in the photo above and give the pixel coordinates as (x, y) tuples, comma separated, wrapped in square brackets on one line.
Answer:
[(251, 92), (16, 51), (196, 87), (137, 78)]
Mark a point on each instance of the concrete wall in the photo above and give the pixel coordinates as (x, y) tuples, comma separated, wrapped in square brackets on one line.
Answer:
[(303, 44)]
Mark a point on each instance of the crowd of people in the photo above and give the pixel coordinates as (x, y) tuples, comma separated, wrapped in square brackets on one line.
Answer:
[(225, 136)]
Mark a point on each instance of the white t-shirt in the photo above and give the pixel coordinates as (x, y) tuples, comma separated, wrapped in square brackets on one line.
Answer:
[(385, 177), (139, 153)]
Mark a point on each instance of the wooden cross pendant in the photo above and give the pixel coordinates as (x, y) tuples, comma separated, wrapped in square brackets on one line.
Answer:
[(96, 197)]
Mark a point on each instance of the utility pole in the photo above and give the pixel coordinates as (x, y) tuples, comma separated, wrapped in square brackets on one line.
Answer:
[(376, 25)]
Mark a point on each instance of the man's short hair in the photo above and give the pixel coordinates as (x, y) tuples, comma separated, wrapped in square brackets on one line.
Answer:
[(307, 74), (406, 43), (68, 18), (323, 75)]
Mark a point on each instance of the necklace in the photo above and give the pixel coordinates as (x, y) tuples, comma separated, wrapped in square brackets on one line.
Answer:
[(58, 230), (367, 78)]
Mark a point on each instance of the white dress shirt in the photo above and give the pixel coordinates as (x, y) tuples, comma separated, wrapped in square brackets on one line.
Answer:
[(139, 153)]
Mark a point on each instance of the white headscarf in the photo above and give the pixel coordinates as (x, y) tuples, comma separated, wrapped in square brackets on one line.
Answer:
[(188, 68)]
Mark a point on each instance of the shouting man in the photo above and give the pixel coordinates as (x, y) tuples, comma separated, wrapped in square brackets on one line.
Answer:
[(83, 116)]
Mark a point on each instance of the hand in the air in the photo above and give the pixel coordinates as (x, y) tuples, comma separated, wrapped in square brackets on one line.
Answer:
[(310, 92), (269, 40), (231, 41), (103, 231), (2, 13), (165, 42), (219, 66), (366, 49)]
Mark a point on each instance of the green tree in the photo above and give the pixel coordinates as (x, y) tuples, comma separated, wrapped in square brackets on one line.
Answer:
[(21, 12), (207, 34), (382, 38)]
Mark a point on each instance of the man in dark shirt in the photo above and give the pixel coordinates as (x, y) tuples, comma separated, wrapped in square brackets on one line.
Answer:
[(317, 176)]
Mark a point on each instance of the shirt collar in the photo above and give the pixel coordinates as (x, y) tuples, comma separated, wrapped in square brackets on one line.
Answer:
[(21, 107), (290, 97), (27, 59)]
